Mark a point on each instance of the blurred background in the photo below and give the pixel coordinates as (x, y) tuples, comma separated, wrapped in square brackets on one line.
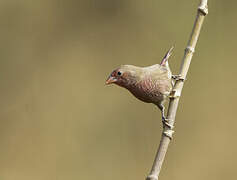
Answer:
[(59, 121)]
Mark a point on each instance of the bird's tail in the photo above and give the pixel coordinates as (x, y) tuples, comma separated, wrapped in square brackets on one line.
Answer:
[(164, 61)]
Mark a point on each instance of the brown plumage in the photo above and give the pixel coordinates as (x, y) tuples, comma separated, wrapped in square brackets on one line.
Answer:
[(150, 84)]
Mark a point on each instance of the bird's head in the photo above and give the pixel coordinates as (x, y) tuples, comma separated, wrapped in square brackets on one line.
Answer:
[(124, 76)]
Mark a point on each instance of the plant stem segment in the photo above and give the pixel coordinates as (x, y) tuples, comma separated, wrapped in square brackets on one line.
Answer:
[(176, 93)]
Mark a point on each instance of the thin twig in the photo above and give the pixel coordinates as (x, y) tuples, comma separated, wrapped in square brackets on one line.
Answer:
[(176, 92)]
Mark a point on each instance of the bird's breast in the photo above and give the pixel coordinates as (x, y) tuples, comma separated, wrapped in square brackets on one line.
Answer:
[(147, 91)]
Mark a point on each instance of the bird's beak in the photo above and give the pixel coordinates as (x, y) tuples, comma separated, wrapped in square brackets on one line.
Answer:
[(110, 80)]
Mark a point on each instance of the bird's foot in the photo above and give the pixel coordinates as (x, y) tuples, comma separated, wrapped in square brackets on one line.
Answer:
[(178, 77), (166, 123), (168, 132)]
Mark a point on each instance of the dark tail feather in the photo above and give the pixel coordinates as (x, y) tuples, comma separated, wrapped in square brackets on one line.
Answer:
[(166, 57)]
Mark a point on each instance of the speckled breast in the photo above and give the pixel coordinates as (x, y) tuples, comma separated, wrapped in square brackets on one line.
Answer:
[(147, 91)]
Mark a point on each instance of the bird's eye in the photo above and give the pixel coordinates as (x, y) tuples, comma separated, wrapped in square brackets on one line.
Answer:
[(119, 73)]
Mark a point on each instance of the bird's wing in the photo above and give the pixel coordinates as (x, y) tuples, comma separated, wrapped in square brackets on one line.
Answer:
[(162, 79)]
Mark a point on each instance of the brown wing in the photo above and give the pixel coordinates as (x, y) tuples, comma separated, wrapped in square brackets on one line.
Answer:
[(161, 77)]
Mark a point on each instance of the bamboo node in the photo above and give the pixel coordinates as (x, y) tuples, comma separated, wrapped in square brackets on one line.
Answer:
[(168, 133), (203, 9), (174, 94), (190, 49), (152, 177)]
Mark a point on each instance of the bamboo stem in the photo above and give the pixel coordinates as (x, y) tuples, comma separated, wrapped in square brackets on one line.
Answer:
[(176, 92)]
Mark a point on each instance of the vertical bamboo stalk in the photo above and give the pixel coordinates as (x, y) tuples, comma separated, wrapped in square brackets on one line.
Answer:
[(176, 93)]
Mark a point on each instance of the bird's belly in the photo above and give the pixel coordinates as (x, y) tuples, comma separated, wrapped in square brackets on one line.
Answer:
[(148, 97)]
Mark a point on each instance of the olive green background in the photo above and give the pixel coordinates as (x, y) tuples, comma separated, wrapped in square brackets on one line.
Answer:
[(58, 120)]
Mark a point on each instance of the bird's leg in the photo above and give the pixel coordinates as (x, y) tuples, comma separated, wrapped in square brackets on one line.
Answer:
[(168, 131), (164, 119), (178, 77), (162, 108), (163, 112)]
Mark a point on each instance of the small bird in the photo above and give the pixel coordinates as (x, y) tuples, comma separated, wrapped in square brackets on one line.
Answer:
[(151, 84)]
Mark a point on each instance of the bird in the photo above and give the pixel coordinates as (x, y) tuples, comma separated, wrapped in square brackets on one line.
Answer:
[(151, 84)]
